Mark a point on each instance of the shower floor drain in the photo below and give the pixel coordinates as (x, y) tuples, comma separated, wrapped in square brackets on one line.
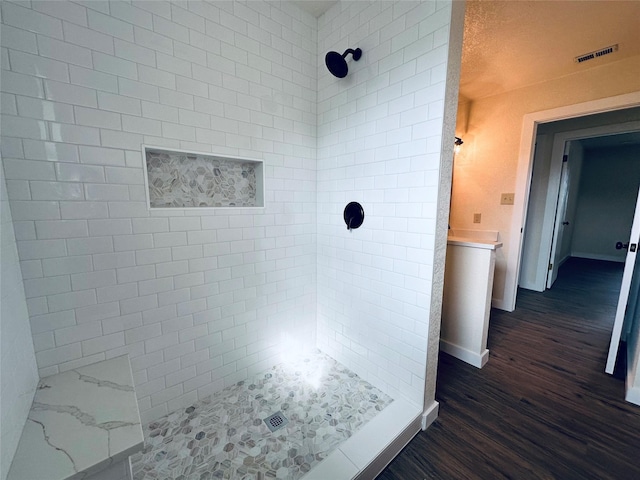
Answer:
[(276, 421)]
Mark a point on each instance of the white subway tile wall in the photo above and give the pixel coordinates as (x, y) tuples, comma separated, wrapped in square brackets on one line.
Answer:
[(203, 299), (199, 300), (379, 137), (17, 358)]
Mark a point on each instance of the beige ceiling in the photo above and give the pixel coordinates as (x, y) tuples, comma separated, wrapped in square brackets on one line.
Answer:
[(514, 43), (510, 44)]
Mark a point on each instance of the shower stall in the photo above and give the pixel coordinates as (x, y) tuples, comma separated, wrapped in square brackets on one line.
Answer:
[(273, 316)]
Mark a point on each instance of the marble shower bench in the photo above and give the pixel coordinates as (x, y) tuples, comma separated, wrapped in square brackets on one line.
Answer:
[(83, 424)]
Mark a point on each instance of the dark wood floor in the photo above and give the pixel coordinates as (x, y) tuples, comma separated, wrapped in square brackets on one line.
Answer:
[(542, 407)]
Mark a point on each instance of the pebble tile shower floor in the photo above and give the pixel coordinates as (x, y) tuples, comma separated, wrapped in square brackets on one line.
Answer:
[(224, 436)]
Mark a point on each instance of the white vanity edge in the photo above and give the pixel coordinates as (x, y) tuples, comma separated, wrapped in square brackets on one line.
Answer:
[(81, 422), (475, 243), (483, 235)]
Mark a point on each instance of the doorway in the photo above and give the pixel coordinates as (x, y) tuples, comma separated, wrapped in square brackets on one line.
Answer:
[(582, 194), (588, 188), (524, 174)]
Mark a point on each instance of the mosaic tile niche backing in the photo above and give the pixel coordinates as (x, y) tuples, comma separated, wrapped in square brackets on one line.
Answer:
[(186, 180), (225, 436)]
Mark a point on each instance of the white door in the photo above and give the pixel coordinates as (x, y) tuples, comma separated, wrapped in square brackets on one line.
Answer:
[(560, 223), (625, 288)]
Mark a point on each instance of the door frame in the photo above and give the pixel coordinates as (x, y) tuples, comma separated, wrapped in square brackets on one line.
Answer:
[(525, 168), (560, 139)]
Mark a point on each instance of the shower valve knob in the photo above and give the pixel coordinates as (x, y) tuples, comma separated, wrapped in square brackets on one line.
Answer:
[(353, 215)]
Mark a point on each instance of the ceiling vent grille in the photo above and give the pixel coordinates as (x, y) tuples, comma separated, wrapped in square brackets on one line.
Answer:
[(596, 54)]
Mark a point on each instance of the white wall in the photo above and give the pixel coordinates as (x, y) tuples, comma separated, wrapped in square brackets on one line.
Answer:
[(18, 371), (198, 299), (491, 129), (606, 202), (379, 143)]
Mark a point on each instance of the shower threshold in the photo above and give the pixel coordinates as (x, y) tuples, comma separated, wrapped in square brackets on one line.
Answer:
[(225, 435)]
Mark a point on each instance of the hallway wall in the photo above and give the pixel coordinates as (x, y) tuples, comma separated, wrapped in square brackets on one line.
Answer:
[(606, 202)]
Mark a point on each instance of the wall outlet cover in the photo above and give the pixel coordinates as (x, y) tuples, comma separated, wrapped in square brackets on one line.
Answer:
[(477, 217)]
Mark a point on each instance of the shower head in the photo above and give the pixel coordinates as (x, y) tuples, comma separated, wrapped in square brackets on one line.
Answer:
[(337, 64)]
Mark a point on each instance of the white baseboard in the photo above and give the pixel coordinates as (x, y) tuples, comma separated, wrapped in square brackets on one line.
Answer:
[(597, 256), (472, 358), (430, 414), (529, 286), (564, 259), (502, 304)]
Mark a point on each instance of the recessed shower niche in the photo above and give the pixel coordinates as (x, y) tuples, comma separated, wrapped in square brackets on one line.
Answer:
[(186, 179)]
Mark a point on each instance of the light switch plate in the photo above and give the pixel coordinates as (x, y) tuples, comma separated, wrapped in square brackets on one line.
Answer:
[(506, 198)]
